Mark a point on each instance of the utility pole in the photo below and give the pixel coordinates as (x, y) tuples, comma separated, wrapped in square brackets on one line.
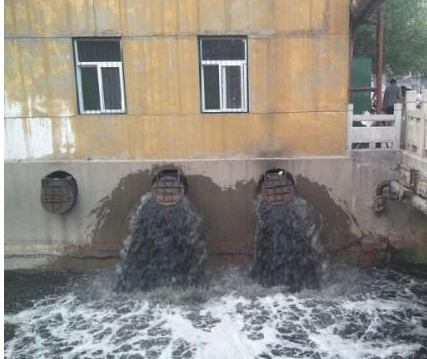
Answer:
[(380, 57)]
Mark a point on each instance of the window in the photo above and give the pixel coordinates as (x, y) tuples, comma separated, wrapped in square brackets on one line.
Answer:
[(99, 73), (223, 73)]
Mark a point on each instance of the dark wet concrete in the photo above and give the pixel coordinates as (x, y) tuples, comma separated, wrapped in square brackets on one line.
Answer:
[(111, 216), (228, 215)]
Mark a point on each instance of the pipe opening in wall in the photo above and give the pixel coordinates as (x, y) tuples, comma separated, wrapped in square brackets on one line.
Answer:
[(276, 186), (169, 187), (164, 245), (58, 192)]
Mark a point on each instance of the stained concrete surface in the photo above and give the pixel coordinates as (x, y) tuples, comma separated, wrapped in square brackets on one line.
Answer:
[(340, 188)]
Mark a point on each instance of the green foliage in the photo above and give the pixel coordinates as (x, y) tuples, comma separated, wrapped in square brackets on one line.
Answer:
[(405, 38)]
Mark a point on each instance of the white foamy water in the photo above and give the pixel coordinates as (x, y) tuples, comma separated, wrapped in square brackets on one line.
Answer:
[(357, 314)]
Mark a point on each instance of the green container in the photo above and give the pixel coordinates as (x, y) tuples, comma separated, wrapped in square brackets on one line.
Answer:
[(361, 76)]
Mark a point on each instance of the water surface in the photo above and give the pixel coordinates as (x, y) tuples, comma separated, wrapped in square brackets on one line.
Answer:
[(355, 314)]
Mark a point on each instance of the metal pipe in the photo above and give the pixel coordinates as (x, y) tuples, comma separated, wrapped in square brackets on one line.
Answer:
[(380, 199), (380, 59), (415, 200), (401, 192), (419, 203)]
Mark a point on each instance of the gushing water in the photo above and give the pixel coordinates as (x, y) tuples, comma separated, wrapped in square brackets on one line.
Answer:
[(286, 244), (163, 246)]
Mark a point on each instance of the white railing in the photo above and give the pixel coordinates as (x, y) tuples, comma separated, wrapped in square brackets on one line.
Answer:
[(369, 131), (416, 125)]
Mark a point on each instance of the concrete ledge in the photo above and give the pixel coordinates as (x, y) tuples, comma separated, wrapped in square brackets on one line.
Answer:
[(340, 188), (416, 162), (377, 156)]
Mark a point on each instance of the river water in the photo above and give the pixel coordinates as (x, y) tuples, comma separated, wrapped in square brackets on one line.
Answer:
[(354, 314)]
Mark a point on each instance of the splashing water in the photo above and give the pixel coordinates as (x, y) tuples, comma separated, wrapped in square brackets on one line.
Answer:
[(354, 314), (286, 244), (163, 246), (358, 314)]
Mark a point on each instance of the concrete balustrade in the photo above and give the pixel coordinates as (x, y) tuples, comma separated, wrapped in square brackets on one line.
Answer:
[(414, 159), (374, 131), (416, 125)]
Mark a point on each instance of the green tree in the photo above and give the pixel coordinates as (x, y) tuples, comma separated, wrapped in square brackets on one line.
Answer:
[(405, 38)]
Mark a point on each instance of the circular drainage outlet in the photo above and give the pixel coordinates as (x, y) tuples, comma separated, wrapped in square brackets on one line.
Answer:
[(58, 192), (169, 187), (277, 187)]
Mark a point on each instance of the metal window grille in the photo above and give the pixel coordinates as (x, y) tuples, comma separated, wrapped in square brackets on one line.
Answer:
[(99, 72), (223, 71)]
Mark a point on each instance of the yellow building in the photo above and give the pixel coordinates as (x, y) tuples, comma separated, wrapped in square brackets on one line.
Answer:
[(295, 80), (111, 90)]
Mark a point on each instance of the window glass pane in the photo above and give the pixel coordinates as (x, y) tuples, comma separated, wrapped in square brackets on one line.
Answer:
[(111, 85), (211, 87), (98, 50), (223, 49), (90, 89), (233, 86)]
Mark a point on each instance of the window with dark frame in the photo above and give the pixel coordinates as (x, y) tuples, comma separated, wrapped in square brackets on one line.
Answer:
[(99, 72), (223, 73)]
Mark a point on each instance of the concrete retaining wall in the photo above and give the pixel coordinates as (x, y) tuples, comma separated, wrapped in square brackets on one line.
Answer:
[(340, 188)]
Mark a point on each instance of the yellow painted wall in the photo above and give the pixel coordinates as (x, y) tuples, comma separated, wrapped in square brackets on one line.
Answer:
[(298, 79)]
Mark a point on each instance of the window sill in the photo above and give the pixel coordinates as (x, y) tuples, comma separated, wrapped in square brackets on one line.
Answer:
[(102, 113), (223, 112)]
